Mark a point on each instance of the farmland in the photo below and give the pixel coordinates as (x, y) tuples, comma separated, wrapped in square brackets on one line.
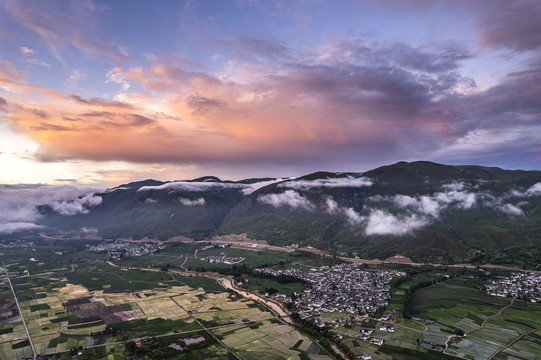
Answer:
[(89, 304), (490, 323), (75, 300)]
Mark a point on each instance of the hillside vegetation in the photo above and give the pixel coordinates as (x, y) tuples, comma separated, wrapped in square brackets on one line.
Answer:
[(423, 210)]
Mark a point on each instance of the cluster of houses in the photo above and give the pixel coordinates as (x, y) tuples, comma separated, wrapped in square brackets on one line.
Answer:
[(110, 246), (342, 288), (213, 246), (187, 342), (223, 259), (292, 246), (120, 250), (525, 286), (18, 244)]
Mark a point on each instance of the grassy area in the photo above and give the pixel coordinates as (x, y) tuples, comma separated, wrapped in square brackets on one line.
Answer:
[(39, 307), (200, 282), (398, 292), (103, 276), (211, 353), (255, 283)]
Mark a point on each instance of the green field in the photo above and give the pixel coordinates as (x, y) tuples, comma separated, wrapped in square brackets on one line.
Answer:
[(54, 289), (454, 305), (155, 301)]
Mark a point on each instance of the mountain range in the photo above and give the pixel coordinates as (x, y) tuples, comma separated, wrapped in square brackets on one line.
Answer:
[(424, 210)]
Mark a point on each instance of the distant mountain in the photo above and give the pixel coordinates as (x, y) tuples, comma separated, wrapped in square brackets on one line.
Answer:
[(423, 210), (138, 184), (154, 208)]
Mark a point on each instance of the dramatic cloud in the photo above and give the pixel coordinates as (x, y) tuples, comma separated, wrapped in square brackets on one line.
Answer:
[(327, 183), (358, 98), (288, 198), (289, 114), (188, 202), (298, 94)]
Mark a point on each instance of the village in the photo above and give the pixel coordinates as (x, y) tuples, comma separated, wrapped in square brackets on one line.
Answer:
[(120, 250), (223, 259), (17, 244), (525, 286), (341, 288)]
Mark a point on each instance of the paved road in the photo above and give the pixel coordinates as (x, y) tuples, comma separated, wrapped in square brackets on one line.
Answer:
[(20, 312)]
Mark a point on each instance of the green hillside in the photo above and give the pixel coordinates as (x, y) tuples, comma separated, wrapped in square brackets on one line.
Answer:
[(424, 210), (458, 233)]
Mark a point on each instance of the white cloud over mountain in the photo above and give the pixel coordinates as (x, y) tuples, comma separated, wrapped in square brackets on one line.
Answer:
[(380, 222), (189, 202), (327, 183), (199, 186), (289, 198), (18, 205)]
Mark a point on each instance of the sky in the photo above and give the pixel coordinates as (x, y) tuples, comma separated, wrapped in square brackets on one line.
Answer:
[(100, 93)]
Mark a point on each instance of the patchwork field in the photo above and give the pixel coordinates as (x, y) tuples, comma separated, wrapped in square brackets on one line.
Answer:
[(100, 307), (269, 339)]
